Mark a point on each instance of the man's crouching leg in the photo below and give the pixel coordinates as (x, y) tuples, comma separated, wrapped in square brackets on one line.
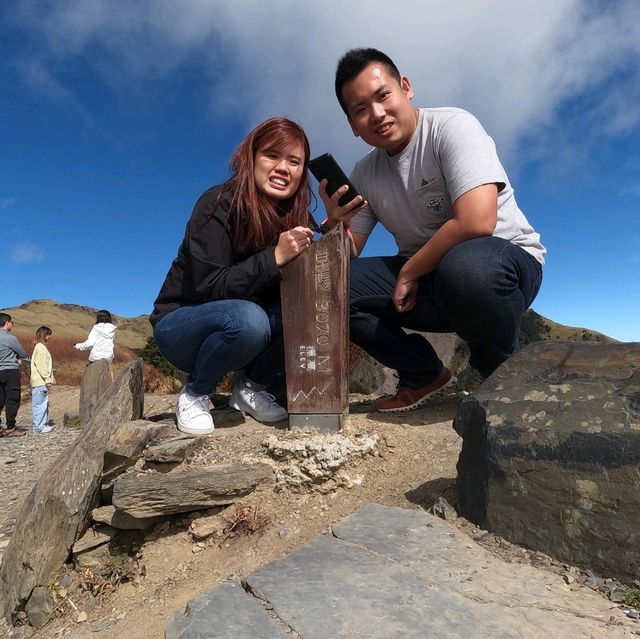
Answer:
[(484, 286)]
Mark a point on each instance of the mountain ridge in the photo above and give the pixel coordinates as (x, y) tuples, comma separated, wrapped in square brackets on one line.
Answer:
[(76, 320)]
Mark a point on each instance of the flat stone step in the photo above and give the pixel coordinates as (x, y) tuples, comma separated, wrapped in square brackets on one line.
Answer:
[(391, 572)]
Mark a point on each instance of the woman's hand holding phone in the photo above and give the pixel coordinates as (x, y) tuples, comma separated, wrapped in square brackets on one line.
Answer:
[(291, 243)]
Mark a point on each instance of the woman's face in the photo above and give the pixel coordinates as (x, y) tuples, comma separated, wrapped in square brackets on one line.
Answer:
[(278, 171)]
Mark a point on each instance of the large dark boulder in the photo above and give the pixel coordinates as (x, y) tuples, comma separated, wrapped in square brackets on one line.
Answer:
[(551, 453)]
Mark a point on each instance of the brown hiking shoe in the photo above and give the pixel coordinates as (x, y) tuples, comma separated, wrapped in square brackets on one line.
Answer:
[(410, 398)]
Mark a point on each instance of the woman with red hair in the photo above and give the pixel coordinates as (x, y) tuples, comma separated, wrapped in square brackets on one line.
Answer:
[(219, 308)]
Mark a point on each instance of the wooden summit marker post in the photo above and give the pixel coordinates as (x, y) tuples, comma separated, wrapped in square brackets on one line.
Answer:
[(315, 318)]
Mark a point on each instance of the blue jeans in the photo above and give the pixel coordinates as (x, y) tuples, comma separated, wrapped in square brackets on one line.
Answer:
[(212, 339), (480, 291), (39, 408)]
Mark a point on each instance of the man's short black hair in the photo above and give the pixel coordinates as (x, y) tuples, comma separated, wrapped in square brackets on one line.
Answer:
[(353, 62), (4, 318)]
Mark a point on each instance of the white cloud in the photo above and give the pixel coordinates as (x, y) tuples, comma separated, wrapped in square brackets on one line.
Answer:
[(25, 253), (514, 64)]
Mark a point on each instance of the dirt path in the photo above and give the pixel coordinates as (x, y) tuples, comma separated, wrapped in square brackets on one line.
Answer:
[(413, 465)]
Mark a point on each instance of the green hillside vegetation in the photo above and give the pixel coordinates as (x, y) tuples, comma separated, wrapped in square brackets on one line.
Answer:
[(536, 328)]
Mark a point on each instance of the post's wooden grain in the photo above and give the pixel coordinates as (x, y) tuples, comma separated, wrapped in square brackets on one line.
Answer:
[(315, 314)]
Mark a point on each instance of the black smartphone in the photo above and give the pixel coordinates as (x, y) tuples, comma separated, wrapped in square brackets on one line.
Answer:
[(325, 167)]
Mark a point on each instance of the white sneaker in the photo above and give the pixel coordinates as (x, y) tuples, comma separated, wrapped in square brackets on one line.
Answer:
[(259, 404), (192, 414)]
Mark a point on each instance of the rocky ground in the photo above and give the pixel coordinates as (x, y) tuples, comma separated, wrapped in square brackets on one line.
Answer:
[(412, 465)]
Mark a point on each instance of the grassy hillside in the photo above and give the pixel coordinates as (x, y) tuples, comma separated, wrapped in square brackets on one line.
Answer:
[(71, 323), (75, 322), (537, 328)]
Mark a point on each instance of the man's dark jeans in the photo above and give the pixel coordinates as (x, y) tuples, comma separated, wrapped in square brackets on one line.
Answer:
[(480, 291), (10, 394)]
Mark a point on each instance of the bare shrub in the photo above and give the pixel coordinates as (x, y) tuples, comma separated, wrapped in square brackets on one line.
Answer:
[(156, 382), (69, 363), (244, 521)]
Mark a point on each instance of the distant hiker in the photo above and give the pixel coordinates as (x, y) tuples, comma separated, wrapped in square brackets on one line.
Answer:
[(219, 307), (11, 352), (41, 379), (468, 260), (100, 339)]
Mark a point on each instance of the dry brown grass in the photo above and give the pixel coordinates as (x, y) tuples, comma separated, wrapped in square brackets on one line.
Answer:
[(75, 322), (69, 363), (244, 520), (156, 382)]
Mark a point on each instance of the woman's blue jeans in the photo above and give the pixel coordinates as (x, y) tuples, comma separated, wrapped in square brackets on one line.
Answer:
[(39, 408), (212, 339), (480, 291)]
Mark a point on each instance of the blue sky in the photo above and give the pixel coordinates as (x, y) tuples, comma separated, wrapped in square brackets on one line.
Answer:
[(114, 118)]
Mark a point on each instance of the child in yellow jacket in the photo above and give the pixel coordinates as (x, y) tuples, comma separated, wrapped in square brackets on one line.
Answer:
[(41, 379)]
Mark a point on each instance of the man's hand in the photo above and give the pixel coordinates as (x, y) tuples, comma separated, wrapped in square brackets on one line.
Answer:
[(291, 243), (404, 294), (335, 212)]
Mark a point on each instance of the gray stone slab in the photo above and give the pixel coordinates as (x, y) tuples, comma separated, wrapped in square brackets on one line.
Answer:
[(331, 589), (541, 601), (224, 612), (391, 572)]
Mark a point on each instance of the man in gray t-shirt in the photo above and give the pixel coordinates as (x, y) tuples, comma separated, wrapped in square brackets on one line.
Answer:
[(468, 260), (11, 352)]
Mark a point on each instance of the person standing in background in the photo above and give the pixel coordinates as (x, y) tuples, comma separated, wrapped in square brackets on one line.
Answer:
[(41, 379), (11, 352), (100, 339)]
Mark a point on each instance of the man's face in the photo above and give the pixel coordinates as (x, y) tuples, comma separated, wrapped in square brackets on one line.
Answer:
[(8, 326), (379, 108)]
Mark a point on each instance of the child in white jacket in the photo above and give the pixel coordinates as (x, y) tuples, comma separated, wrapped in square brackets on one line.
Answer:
[(100, 339)]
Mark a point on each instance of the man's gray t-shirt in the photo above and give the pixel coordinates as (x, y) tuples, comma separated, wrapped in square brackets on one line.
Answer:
[(11, 351), (411, 193)]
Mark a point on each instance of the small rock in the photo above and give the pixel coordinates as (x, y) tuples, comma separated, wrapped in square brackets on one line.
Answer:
[(82, 617), (443, 509), (98, 626), (94, 537), (66, 581), (39, 608), (568, 579), (633, 614), (617, 594), (285, 533), (593, 582), (71, 420)]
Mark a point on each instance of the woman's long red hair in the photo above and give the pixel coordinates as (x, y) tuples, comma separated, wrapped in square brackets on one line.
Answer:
[(264, 219)]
